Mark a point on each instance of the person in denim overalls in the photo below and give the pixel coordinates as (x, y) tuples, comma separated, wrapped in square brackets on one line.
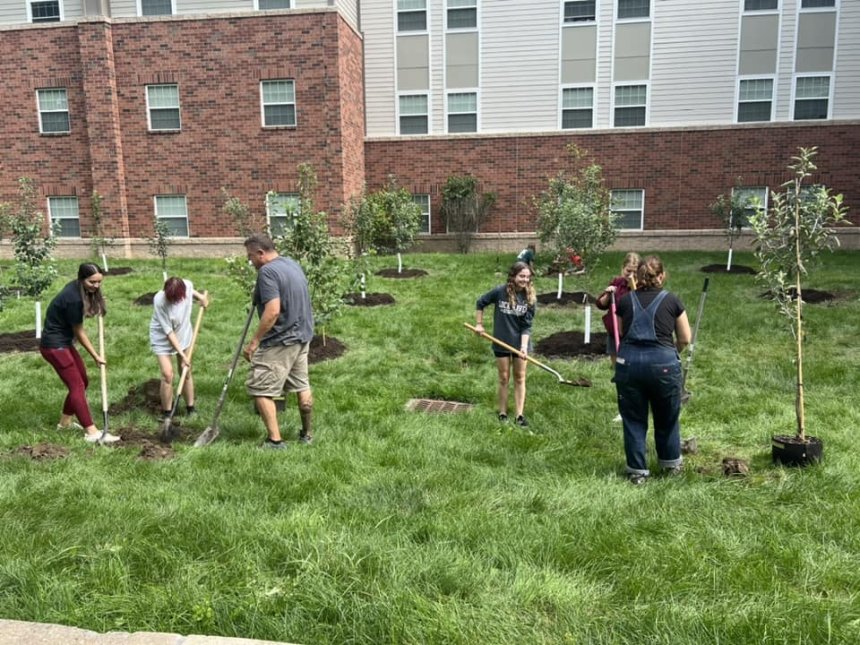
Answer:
[(648, 370)]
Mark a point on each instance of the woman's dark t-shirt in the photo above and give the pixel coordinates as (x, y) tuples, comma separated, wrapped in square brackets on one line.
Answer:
[(64, 313)]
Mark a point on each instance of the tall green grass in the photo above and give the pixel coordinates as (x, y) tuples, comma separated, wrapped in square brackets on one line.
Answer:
[(401, 527)]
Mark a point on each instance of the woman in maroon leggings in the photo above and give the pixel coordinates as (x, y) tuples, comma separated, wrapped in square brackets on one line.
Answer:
[(64, 323)]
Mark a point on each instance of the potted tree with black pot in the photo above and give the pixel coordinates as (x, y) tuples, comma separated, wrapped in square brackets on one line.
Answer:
[(789, 237)]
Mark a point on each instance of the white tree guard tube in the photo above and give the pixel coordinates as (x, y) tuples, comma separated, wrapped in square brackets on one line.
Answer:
[(104, 263), (38, 319), (363, 294), (560, 285), (164, 274), (399, 263), (587, 324), (729, 263)]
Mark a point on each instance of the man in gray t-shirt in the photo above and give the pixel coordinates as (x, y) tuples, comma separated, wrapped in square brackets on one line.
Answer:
[(278, 350)]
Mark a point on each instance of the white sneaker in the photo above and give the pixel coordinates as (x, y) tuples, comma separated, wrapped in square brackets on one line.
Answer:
[(97, 438), (617, 419), (72, 426)]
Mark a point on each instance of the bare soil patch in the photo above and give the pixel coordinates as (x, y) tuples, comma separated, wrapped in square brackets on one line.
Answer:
[(19, 341), (319, 352), (369, 300), (145, 300), (406, 273), (118, 271), (738, 269), (567, 298), (42, 452), (146, 396), (813, 296), (571, 344)]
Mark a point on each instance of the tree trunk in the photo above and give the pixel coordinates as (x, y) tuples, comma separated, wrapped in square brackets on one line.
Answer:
[(799, 407)]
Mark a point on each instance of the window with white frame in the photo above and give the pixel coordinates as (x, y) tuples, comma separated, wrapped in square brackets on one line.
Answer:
[(423, 200), (577, 107), (761, 5), (629, 207), (411, 15), (53, 106), (634, 9), (580, 11), (754, 199), (281, 209), (162, 102), (156, 7), (462, 14), (462, 112), (755, 99), (173, 211), (265, 5), (630, 101), (45, 11), (278, 103), (413, 114), (65, 216), (817, 4), (811, 97)]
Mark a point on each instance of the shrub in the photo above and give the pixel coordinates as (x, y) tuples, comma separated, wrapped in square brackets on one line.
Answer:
[(733, 211), (35, 268), (464, 209)]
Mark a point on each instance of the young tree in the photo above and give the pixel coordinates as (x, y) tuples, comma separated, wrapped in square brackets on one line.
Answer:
[(159, 243), (98, 240), (308, 241), (574, 214), (238, 267), (789, 238), (35, 268), (464, 209), (733, 210)]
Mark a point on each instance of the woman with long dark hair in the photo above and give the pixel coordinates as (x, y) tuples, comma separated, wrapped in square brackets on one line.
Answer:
[(654, 329), (64, 324), (512, 324)]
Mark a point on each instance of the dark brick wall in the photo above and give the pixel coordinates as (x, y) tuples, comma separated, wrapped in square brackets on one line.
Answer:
[(681, 170)]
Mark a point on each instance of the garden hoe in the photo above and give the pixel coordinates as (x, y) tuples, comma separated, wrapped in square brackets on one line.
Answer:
[(103, 375), (169, 432), (580, 382), (685, 393), (211, 432)]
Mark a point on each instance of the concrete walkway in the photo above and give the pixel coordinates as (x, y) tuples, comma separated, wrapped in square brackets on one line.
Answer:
[(17, 632)]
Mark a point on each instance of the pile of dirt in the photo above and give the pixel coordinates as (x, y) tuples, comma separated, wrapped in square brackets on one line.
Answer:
[(570, 344), (146, 396), (369, 300), (42, 451), (738, 269), (19, 341), (810, 296), (319, 352), (145, 300), (567, 298), (406, 273)]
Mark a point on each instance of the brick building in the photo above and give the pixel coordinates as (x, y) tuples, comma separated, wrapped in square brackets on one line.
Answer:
[(159, 104)]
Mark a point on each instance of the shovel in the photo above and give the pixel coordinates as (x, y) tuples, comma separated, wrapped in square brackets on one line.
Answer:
[(580, 382), (103, 375), (685, 393), (212, 431), (168, 432), (615, 335)]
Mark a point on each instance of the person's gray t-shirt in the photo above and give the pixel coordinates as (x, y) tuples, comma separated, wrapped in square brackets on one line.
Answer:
[(283, 278)]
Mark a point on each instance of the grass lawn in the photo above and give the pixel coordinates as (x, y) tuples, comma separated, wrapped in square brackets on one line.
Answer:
[(405, 527)]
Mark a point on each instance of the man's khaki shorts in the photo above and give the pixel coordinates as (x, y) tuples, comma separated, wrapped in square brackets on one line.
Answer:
[(278, 369)]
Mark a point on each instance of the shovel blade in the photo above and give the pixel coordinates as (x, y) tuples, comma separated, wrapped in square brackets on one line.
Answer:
[(208, 436), (580, 382)]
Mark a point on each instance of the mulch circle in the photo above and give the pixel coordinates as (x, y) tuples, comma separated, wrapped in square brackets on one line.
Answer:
[(42, 451), (319, 352), (19, 341), (145, 300), (570, 344), (721, 268), (567, 298), (810, 296), (369, 300), (119, 271), (406, 273)]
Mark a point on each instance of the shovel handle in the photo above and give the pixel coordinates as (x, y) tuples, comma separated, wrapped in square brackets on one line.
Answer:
[(185, 370), (615, 336), (102, 366), (504, 345)]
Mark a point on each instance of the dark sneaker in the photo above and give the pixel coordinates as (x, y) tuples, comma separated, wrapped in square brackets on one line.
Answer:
[(268, 444), (191, 414), (306, 438), (503, 418), (521, 422), (636, 479)]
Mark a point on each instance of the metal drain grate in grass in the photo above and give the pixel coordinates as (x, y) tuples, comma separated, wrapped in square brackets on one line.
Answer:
[(437, 407)]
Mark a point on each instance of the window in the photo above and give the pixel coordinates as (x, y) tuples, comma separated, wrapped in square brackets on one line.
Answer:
[(264, 5), (173, 210), (281, 209), (755, 100), (64, 215), (630, 105), (411, 15), (811, 97), (628, 206), (816, 4), (577, 107), (424, 202), (580, 11), (413, 114), (755, 199), (45, 11), (163, 105), (53, 110), (279, 103), (156, 7), (463, 112), (760, 5), (634, 9), (462, 14)]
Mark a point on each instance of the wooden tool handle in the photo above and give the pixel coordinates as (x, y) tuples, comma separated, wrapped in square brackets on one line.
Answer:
[(102, 366)]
